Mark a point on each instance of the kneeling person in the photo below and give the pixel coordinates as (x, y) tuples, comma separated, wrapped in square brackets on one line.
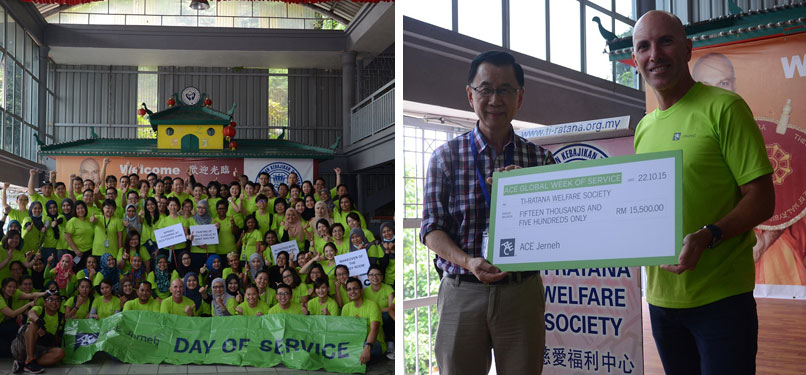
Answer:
[(38, 342)]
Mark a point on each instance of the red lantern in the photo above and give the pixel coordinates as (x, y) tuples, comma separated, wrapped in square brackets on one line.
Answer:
[(208, 102), (232, 123), (228, 132), (141, 112), (233, 145), (171, 102)]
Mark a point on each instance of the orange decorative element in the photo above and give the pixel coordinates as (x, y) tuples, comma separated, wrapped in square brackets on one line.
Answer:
[(780, 161)]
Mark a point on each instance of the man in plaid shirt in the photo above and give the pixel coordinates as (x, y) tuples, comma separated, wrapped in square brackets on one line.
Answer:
[(479, 306)]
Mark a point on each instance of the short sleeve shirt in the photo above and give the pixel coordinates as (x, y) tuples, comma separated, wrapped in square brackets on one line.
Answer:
[(723, 149), (168, 306)]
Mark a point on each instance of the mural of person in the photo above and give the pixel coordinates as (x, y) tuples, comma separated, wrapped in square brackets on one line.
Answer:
[(780, 255), (89, 170)]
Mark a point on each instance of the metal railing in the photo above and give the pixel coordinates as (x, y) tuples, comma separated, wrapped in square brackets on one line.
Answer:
[(373, 114), (312, 136)]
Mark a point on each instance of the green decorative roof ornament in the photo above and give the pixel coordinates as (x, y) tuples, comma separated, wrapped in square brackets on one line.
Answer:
[(606, 34)]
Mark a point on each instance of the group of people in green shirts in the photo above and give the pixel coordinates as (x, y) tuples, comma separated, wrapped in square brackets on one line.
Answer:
[(93, 247)]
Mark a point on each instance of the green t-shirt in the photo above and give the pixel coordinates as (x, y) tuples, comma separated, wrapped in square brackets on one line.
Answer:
[(315, 307), (151, 278), (269, 297), (83, 311), (293, 308), (105, 309), (264, 221), (722, 150), (32, 236), (249, 206), (381, 297), (135, 305), (106, 229), (300, 291), (180, 196), (82, 232), (369, 310), (342, 248), (51, 321), (61, 243), (261, 308), (389, 277), (249, 243), (226, 240), (17, 214), (168, 306), (211, 249)]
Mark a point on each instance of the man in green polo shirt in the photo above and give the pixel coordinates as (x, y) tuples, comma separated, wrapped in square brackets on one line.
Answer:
[(144, 301), (47, 190), (359, 307), (178, 304), (702, 309), (38, 342)]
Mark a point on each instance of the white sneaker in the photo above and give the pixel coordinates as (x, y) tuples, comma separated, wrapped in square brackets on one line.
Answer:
[(390, 350)]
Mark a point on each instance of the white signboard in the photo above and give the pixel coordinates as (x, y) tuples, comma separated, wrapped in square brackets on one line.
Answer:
[(290, 247), (357, 263), (597, 213), (279, 169), (204, 234), (169, 236)]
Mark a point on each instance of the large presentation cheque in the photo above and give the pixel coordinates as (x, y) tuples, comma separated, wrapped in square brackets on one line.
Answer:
[(619, 211)]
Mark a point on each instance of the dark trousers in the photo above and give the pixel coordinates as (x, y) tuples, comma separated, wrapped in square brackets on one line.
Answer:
[(718, 338)]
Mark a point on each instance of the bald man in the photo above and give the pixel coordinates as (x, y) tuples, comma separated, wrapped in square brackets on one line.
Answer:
[(702, 309), (178, 304), (715, 69)]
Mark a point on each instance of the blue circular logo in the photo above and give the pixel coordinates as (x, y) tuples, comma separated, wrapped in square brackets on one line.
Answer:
[(577, 151), (278, 172)]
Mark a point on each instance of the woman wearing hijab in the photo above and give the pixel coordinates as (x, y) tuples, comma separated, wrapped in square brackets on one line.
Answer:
[(33, 228), (220, 299), (197, 294), (67, 213), (185, 265), (199, 254), (254, 266), (110, 271), (51, 234), (233, 290), (63, 274), (388, 246), (292, 228), (321, 211), (358, 241), (212, 270), (161, 277), (131, 221)]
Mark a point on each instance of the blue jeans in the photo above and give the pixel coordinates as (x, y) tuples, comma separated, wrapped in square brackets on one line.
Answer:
[(717, 338)]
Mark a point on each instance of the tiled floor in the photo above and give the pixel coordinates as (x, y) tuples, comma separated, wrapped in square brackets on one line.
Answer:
[(103, 365)]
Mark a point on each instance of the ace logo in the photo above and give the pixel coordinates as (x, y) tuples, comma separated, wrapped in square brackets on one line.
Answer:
[(507, 248)]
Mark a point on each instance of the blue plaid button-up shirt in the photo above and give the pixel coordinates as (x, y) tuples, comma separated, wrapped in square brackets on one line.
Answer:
[(454, 202)]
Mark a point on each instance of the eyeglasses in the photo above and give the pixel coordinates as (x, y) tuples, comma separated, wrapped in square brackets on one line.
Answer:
[(374, 275), (504, 92), (284, 294)]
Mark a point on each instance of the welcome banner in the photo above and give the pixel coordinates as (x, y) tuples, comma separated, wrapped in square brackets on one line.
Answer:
[(300, 342)]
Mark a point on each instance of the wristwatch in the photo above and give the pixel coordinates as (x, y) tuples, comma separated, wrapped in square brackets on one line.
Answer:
[(716, 235)]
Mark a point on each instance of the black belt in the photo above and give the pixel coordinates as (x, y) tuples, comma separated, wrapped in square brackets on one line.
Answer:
[(512, 278)]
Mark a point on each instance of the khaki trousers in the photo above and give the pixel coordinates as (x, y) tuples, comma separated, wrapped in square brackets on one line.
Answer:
[(474, 318)]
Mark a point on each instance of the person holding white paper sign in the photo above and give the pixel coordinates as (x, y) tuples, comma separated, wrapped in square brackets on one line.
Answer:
[(702, 309), (480, 307)]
